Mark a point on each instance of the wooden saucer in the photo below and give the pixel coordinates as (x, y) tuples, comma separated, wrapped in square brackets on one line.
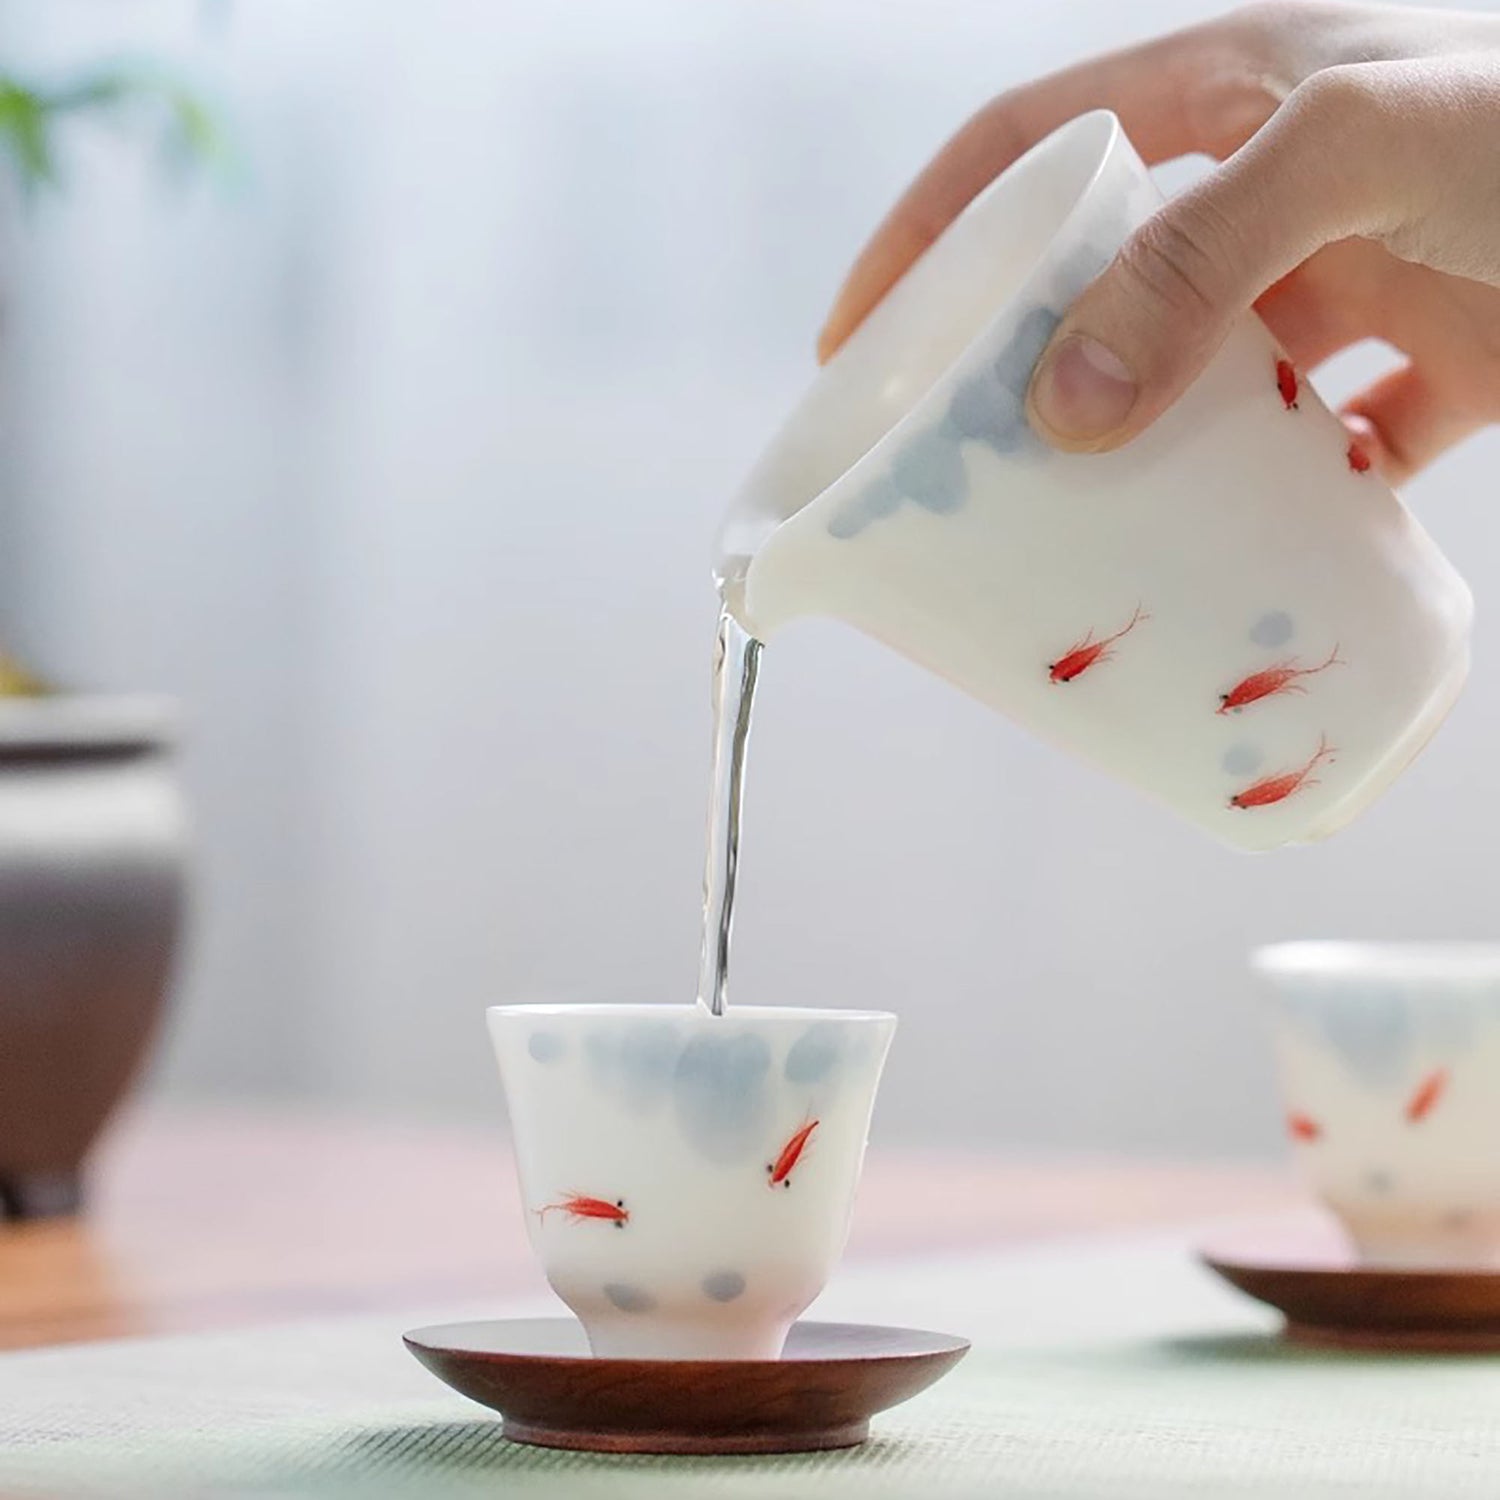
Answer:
[(822, 1392), (1308, 1273)]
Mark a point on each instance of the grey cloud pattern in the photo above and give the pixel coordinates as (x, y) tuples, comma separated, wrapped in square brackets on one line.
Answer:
[(880, 498), (720, 1086), (1015, 362), (984, 411), (929, 471), (814, 1055), (719, 1093), (634, 1065), (1373, 1033), (989, 408), (1377, 1030)]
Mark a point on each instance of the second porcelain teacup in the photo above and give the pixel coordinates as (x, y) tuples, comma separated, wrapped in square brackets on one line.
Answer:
[(688, 1178), (1390, 1072)]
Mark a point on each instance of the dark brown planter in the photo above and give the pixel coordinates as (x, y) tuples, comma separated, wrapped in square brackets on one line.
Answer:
[(92, 870)]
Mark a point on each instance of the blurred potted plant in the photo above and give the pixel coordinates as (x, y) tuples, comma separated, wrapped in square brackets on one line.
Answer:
[(92, 832)]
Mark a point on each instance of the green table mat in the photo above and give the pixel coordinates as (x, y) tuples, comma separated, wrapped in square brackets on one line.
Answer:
[(1099, 1369)]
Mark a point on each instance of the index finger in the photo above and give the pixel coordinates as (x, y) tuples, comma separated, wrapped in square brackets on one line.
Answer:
[(1157, 90)]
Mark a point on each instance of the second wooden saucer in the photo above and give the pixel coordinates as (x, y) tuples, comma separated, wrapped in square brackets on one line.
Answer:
[(1309, 1274)]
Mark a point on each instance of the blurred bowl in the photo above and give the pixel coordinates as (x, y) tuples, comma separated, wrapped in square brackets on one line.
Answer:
[(92, 874)]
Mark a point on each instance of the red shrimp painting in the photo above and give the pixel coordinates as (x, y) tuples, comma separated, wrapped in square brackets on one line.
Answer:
[(1273, 789), (1286, 383), (579, 1207), (779, 1172), (1285, 677), (1425, 1099), (1088, 652)]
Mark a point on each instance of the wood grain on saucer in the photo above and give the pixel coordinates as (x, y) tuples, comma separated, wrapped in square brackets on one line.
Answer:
[(1329, 1299), (538, 1373)]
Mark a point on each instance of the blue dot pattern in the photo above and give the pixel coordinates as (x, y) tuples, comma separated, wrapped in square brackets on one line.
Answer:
[(1243, 759), (1274, 628), (723, 1286), (546, 1046), (629, 1299)]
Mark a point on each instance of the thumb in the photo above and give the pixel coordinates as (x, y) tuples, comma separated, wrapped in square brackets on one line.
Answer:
[(1141, 333)]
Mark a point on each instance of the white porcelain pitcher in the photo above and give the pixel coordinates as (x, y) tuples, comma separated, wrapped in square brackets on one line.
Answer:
[(1232, 612)]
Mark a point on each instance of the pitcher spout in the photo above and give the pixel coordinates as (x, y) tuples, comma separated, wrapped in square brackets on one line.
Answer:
[(783, 581)]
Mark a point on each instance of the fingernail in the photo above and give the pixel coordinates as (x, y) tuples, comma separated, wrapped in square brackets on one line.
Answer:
[(1082, 390)]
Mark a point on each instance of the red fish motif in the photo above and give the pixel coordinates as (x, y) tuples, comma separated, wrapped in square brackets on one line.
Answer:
[(1429, 1091), (1359, 460), (779, 1172), (1303, 1127), (1278, 679), (578, 1207), (1286, 383), (1088, 652), (1278, 788)]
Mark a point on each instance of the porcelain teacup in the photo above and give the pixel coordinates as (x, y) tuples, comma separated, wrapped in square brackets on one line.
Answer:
[(1390, 1071), (688, 1178)]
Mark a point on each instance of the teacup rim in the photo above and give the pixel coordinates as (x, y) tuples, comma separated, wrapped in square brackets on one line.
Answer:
[(651, 1009), (1354, 958)]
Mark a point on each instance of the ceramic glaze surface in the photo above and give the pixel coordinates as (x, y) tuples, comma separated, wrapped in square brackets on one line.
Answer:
[(688, 1178), (1390, 1069), (1233, 612)]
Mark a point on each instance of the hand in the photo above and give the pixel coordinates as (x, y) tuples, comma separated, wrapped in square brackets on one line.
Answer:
[(1358, 196)]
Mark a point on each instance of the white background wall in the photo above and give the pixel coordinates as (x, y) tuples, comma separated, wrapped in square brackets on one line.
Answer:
[(399, 462)]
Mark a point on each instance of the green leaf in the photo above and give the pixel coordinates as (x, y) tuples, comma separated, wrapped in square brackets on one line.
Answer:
[(24, 122), (189, 130)]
